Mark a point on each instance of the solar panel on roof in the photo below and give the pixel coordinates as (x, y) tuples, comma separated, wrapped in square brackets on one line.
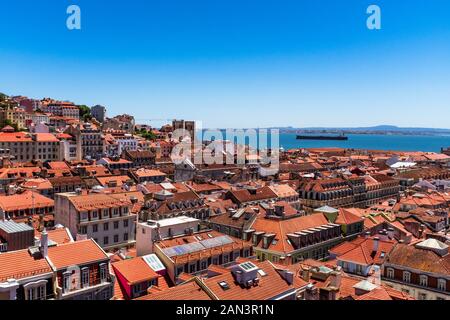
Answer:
[(197, 246), (247, 266)]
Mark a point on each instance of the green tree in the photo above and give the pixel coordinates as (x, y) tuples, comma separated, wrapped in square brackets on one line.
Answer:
[(9, 123), (85, 111), (149, 136), (3, 96)]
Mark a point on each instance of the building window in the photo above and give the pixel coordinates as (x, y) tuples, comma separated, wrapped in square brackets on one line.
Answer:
[(106, 240), (125, 237), (31, 294), (423, 280), (125, 210), (83, 216), (103, 274), (66, 281), (359, 268), (41, 293), (85, 277), (83, 230), (116, 224), (116, 238), (94, 228), (105, 213), (106, 226), (406, 276), (94, 214), (390, 273), (442, 284), (116, 211), (125, 223)]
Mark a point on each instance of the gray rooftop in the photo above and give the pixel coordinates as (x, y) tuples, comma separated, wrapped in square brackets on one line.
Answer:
[(13, 227)]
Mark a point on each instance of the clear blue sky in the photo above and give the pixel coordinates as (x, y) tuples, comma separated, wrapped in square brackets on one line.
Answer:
[(236, 63)]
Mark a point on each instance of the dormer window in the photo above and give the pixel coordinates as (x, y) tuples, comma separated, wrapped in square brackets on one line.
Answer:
[(423, 280), (406, 276), (85, 277), (103, 273), (116, 211), (390, 273), (66, 281), (442, 284), (83, 216), (105, 213)]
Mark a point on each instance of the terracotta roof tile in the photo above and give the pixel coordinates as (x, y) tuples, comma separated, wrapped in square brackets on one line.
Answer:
[(134, 270), (76, 253), (20, 264)]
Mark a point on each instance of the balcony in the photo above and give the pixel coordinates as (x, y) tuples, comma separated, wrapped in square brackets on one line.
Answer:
[(73, 292)]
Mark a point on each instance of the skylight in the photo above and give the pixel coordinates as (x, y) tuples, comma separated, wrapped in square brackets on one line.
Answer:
[(224, 285)]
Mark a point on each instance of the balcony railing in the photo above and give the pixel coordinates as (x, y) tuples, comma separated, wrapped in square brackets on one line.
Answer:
[(73, 291)]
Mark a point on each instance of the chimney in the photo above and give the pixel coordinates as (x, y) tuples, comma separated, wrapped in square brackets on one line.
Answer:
[(269, 211), (41, 222), (305, 273), (133, 200), (44, 243), (335, 279), (376, 241), (288, 276)]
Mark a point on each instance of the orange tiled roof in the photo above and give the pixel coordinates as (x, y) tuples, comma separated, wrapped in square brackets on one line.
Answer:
[(348, 216), (95, 201), (15, 137), (143, 172), (58, 165), (361, 251), (76, 253), (104, 181), (20, 264), (25, 200), (60, 235), (270, 285), (135, 270), (190, 290), (281, 228), (37, 183), (46, 137)]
